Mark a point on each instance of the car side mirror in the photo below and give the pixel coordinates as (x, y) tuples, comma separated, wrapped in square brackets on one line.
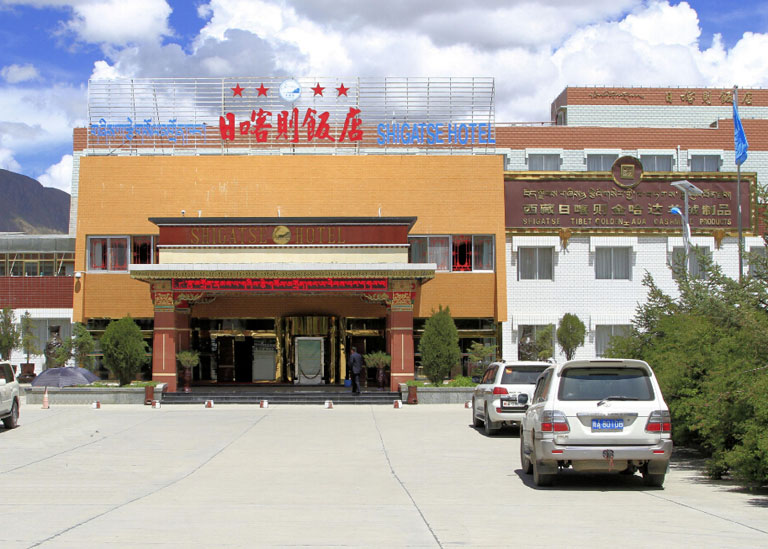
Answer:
[(522, 398)]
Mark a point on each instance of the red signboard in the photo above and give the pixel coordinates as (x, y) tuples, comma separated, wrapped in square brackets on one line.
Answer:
[(281, 284), (554, 204)]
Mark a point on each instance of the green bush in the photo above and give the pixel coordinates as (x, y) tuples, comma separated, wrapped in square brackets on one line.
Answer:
[(125, 350), (462, 381), (570, 334), (439, 345), (708, 348), (9, 334)]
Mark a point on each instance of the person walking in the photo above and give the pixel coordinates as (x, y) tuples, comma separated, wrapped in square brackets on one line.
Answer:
[(356, 366)]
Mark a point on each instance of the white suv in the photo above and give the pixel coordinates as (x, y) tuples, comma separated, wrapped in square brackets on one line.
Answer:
[(9, 396), (503, 395), (602, 415)]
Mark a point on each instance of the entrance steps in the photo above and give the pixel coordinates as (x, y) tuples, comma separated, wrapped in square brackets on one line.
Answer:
[(283, 394)]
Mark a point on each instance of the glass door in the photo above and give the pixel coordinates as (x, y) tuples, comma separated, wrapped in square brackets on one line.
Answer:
[(309, 361)]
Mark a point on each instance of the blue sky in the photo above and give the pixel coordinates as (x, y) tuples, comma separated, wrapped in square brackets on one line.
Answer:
[(50, 48)]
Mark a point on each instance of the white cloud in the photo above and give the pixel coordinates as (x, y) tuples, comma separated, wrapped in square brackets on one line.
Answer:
[(36, 118), (13, 74), (111, 22), (120, 22), (59, 176), (7, 162)]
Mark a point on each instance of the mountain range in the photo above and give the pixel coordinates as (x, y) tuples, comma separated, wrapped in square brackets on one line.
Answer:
[(26, 206)]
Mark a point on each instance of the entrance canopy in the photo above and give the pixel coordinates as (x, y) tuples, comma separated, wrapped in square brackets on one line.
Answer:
[(260, 266)]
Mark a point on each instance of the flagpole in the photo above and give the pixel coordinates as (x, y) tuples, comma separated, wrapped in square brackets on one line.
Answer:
[(738, 196)]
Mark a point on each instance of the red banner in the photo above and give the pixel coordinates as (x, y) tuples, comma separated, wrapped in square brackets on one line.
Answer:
[(281, 284)]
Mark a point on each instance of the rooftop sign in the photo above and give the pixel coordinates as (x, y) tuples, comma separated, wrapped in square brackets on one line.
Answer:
[(417, 114)]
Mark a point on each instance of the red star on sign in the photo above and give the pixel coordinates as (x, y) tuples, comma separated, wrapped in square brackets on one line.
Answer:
[(342, 90), (237, 91), (318, 89), (262, 90)]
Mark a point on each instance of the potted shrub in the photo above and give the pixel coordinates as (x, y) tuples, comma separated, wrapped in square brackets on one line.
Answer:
[(379, 360), (188, 360)]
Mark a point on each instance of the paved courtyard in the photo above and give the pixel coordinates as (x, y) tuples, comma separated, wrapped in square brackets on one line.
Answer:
[(355, 476)]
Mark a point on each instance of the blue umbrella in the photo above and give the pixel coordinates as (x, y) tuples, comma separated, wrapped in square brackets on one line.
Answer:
[(64, 377)]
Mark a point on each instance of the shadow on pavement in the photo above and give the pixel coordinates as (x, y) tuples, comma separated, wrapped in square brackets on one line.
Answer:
[(504, 432)]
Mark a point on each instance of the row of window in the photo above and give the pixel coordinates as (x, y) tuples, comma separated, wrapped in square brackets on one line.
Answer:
[(456, 253), (110, 253), (611, 263), (526, 338), (604, 162), (37, 264)]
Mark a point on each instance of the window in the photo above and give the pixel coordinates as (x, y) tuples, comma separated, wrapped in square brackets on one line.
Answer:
[(601, 162), (757, 260), (705, 163), (108, 253), (678, 260), (3, 268), (521, 374), (604, 333), (656, 162), (613, 263), (599, 383), (490, 375), (461, 253), (482, 258), (527, 349), (542, 387), (467, 252), (142, 250), (541, 162), (535, 263)]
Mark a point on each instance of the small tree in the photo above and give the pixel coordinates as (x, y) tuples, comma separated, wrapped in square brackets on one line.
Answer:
[(439, 346), (83, 345), (544, 345), (188, 359), (570, 334), (377, 359), (480, 353), (9, 334), (125, 350), (28, 337)]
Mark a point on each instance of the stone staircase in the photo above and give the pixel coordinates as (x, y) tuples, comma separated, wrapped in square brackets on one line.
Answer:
[(280, 395)]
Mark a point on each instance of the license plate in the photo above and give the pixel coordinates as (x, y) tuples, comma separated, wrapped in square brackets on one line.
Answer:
[(607, 424), (508, 403)]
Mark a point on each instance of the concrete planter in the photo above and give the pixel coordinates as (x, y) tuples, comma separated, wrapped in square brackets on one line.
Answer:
[(439, 395), (86, 395)]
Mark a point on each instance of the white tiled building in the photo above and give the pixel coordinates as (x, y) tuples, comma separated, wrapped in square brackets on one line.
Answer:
[(599, 275)]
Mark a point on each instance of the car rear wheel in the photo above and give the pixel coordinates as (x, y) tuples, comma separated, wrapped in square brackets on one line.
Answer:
[(539, 478), (13, 420), (653, 479), (475, 420), (489, 429), (525, 463)]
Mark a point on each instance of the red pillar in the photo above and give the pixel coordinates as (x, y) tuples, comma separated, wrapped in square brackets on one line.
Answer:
[(171, 334), (400, 343)]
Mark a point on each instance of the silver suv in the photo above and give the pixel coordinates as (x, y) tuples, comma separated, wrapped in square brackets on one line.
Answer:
[(603, 415), (503, 394), (9, 396)]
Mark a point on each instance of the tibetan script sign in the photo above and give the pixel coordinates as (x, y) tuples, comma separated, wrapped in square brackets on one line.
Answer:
[(281, 284), (589, 205)]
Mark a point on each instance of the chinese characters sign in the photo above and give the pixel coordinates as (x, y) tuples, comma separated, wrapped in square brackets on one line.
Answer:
[(591, 205), (281, 284), (169, 114), (313, 126)]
